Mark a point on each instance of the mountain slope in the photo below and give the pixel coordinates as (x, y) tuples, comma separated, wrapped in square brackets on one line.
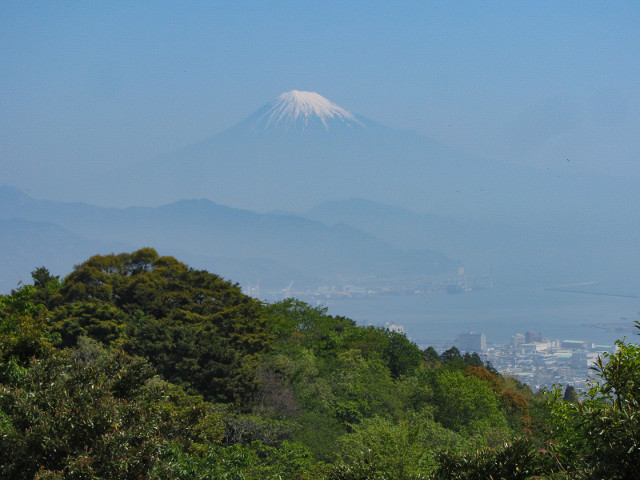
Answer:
[(302, 150), (26, 245), (584, 245), (248, 242)]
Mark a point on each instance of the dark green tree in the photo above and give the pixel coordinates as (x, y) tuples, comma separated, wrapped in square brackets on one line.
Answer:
[(431, 357), (47, 287), (467, 405), (453, 359), (472, 359), (23, 334), (95, 413), (570, 394), (402, 355), (198, 330), (518, 460)]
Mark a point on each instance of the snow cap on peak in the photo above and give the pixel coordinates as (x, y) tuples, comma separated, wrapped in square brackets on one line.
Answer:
[(301, 108)]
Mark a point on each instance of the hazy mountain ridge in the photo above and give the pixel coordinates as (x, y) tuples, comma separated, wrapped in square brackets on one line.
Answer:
[(583, 246), (26, 245), (343, 239), (252, 246)]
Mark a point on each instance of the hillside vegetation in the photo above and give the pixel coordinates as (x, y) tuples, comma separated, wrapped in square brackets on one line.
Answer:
[(137, 366)]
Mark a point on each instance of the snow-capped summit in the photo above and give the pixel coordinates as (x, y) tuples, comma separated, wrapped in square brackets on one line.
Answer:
[(300, 110)]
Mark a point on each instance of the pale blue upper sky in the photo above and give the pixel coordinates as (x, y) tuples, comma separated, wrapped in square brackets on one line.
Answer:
[(95, 85)]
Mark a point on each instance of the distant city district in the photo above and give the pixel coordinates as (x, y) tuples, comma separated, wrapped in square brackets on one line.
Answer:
[(537, 361)]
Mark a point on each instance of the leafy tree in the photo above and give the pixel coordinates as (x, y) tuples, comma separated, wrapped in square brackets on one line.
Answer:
[(362, 387), (402, 356), (100, 321), (472, 359), (516, 406), (453, 359), (367, 465), (254, 461), (599, 436), (22, 331), (518, 460), (403, 449), (47, 287), (198, 330), (467, 405), (486, 376), (297, 387), (95, 413), (431, 357), (296, 322), (570, 394), (66, 417)]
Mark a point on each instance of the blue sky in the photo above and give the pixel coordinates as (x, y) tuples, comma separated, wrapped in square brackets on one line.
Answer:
[(91, 86)]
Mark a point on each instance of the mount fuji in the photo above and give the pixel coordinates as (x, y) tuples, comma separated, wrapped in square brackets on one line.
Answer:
[(296, 110), (302, 149)]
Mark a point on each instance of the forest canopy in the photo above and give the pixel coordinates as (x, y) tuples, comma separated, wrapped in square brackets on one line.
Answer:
[(137, 366)]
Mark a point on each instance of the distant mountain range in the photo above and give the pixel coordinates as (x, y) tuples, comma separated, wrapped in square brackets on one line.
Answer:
[(244, 246), (335, 243), (589, 244), (26, 245)]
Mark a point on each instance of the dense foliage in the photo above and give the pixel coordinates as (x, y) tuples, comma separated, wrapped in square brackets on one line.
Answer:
[(137, 366)]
